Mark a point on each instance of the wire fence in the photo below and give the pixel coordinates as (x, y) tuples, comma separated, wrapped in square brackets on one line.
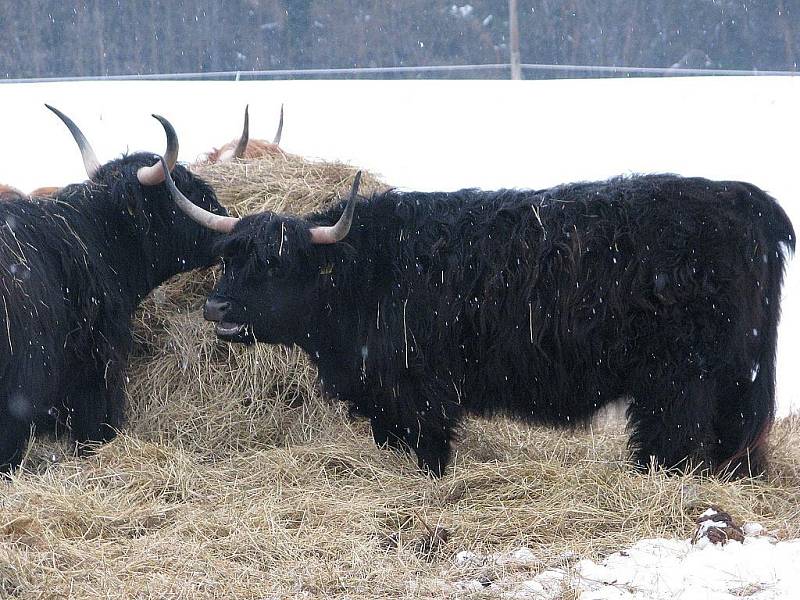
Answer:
[(486, 71)]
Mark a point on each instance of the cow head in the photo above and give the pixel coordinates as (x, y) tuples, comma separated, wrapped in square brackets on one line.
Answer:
[(130, 197), (244, 147), (272, 265)]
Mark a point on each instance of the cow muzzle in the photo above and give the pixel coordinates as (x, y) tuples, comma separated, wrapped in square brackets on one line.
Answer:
[(214, 310)]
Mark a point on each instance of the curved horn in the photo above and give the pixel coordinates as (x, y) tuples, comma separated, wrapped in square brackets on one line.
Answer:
[(242, 145), (277, 139), (153, 175), (336, 233), (201, 215), (90, 161)]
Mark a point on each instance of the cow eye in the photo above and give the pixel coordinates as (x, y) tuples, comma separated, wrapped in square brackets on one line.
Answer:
[(229, 266)]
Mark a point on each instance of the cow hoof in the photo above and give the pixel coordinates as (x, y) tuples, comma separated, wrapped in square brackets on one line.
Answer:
[(396, 445), (430, 464)]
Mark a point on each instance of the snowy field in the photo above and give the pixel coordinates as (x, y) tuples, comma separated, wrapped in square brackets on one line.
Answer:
[(446, 135), (759, 568)]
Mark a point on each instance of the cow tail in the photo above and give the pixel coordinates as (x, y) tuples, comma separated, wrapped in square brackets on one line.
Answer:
[(758, 407)]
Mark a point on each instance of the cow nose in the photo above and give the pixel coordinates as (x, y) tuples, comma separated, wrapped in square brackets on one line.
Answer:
[(214, 310)]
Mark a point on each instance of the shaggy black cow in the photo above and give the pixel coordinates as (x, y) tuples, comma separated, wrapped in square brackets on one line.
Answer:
[(73, 270), (545, 305)]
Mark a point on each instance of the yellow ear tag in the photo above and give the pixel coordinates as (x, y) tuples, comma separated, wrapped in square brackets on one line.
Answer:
[(326, 270)]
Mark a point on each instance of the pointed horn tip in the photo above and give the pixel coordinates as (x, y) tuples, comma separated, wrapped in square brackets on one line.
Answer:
[(90, 162), (162, 120), (172, 140), (55, 111), (168, 127)]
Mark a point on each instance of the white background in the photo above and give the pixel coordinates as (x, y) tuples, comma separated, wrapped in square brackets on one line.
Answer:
[(446, 135)]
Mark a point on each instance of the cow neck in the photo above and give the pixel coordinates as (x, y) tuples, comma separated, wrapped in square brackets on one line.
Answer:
[(122, 252), (334, 355), (336, 344)]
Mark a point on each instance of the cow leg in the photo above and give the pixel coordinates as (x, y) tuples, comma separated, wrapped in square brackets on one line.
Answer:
[(386, 431), (736, 401), (673, 422), (426, 418), (387, 434), (432, 448), (97, 403), (13, 440), (28, 392)]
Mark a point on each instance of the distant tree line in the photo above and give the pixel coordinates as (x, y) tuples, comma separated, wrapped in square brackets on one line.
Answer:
[(51, 38)]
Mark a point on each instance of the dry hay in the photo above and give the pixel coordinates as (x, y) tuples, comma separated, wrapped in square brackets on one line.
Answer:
[(181, 369), (234, 479), (282, 183)]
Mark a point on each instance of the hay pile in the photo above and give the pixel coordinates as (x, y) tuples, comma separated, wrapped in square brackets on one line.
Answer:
[(234, 479), (185, 386)]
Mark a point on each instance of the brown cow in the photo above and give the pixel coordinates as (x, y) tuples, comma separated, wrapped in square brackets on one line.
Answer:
[(45, 192), (244, 147), (8, 193)]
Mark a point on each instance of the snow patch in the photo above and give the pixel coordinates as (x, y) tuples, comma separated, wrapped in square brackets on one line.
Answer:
[(760, 567)]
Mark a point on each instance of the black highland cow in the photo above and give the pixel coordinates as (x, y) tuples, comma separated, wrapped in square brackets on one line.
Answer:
[(544, 305), (72, 271)]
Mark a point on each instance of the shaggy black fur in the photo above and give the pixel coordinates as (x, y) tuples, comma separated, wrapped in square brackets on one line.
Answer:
[(72, 271), (545, 305)]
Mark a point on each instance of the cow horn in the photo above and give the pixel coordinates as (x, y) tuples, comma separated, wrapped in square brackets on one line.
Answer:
[(277, 139), (336, 233), (202, 216), (153, 175), (90, 161), (242, 145)]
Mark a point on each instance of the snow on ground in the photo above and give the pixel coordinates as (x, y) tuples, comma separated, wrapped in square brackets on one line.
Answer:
[(760, 568)]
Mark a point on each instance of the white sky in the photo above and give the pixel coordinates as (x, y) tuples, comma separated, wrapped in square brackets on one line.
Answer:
[(446, 135)]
